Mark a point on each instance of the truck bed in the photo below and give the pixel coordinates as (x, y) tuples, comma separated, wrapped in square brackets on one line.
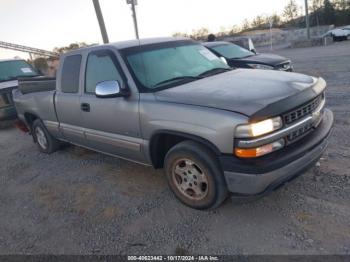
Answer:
[(36, 97), (36, 84)]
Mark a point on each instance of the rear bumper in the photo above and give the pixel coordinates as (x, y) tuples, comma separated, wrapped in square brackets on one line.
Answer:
[(8, 113), (267, 173)]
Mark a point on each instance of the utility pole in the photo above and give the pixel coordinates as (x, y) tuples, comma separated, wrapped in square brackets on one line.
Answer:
[(271, 37), (133, 3), (307, 19), (101, 21)]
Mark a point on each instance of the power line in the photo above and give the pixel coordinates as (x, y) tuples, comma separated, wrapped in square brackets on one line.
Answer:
[(27, 49)]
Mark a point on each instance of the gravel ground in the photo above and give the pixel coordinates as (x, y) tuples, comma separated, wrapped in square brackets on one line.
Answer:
[(80, 202)]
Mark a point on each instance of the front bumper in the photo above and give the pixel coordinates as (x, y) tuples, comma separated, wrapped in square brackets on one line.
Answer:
[(259, 176)]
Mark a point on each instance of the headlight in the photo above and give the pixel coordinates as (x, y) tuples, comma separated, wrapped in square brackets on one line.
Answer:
[(259, 128), (260, 66)]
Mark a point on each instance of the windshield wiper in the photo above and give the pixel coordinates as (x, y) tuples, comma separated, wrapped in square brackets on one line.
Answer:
[(177, 79), (214, 71)]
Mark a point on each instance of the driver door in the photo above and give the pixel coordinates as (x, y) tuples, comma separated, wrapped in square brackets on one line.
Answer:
[(111, 124)]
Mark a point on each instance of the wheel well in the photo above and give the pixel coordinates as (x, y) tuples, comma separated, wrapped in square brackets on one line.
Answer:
[(161, 143), (30, 118)]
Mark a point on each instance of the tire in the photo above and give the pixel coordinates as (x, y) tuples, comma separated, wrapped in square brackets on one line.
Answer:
[(194, 175), (46, 142)]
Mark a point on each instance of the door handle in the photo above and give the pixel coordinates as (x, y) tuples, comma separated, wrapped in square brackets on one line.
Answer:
[(85, 107)]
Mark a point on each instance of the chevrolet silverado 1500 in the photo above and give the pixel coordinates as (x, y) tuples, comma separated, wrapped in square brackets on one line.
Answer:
[(171, 103)]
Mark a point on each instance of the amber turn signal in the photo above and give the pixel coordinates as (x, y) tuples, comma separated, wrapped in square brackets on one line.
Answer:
[(259, 151)]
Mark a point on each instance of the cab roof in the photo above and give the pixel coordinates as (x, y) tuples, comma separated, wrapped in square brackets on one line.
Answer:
[(129, 44), (147, 41)]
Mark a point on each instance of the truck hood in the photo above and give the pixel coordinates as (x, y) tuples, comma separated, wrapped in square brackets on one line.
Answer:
[(268, 59), (254, 93), (7, 84)]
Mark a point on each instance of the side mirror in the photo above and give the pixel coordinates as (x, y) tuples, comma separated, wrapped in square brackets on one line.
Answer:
[(223, 59), (251, 46), (253, 50), (109, 89)]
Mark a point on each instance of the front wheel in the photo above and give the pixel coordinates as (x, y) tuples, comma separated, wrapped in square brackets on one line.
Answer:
[(194, 175), (45, 141)]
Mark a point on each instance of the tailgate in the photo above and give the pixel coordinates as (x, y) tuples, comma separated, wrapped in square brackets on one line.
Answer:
[(36, 84)]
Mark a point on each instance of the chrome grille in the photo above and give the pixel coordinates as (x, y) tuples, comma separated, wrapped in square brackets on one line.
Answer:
[(297, 134), (303, 111)]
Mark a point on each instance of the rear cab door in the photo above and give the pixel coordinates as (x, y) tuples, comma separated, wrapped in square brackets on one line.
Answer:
[(67, 100)]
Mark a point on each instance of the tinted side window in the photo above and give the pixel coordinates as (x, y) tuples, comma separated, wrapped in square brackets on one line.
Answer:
[(70, 74), (100, 67)]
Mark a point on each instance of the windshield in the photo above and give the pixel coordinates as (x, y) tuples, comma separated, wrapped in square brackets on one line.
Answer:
[(232, 51), (164, 67), (11, 70)]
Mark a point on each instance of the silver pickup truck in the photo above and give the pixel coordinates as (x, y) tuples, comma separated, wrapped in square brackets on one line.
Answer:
[(170, 103)]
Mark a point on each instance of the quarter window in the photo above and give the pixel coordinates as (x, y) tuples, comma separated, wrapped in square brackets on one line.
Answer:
[(70, 74), (101, 66)]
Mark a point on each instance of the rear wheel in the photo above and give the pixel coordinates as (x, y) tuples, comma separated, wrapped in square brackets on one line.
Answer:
[(194, 175), (46, 143)]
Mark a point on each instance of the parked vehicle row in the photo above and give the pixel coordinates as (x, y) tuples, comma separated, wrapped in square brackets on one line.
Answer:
[(240, 57), (171, 103), (339, 34)]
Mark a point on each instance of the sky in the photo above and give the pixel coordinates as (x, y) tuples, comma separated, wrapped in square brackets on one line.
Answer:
[(54, 23)]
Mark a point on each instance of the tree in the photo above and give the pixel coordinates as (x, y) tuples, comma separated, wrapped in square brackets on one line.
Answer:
[(245, 25), (72, 46), (179, 34), (223, 31), (342, 4), (276, 20), (234, 30), (200, 34), (291, 11), (328, 12), (316, 10), (40, 64), (316, 5), (342, 11), (258, 21)]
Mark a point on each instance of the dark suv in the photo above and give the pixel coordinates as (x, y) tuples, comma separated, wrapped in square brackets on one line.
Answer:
[(10, 71), (240, 57)]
